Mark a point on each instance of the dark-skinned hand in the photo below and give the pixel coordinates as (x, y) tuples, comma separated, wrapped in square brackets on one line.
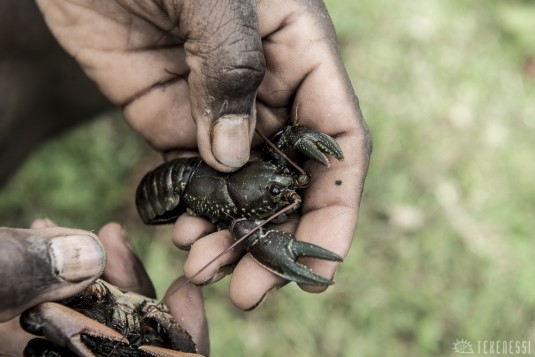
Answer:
[(201, 75), (49, 263)]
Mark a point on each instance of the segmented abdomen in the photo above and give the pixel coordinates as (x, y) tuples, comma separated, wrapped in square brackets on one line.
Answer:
[(159, 193)]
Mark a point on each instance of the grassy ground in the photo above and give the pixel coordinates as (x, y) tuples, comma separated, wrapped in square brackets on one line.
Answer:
[(444, 250)]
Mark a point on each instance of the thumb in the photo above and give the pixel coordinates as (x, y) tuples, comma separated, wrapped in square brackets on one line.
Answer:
[(224, 54), (45, 264)]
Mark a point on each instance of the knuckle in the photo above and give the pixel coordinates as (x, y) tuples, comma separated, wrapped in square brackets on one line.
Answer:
[(235, 62), (235, 69), (227, 55)]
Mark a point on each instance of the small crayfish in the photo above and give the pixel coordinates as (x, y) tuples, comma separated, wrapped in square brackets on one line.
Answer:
[(263, 190), (104, 320)]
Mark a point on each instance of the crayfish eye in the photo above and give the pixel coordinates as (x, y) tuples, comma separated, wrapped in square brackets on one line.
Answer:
[(275, 190)]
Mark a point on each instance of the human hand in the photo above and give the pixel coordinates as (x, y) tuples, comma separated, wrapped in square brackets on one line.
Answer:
[(45, 264), (32, 273), (203, 74)]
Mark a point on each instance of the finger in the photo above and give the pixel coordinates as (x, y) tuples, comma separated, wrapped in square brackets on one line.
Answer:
[(43, 223), (224, 54), (188, 229), (45, 264), (163, 116), (200, 267), (251, 284), (335, 238), (186, 304), (124, 269), (127, 49)]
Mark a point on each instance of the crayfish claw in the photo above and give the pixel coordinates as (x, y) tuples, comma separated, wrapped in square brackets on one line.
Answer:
[(278, 251), (309, 250), (65, 327), (311, 150), (180, 338), (311, 143)]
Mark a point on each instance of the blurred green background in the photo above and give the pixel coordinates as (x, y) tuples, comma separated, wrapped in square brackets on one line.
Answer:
[(445, 245)]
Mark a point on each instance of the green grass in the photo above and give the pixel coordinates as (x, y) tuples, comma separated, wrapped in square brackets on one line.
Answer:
[(446, 239), (81, 179)]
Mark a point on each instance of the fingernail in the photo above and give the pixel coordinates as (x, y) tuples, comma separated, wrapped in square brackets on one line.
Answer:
[(76, 258), (267, 294), (231, 141), (219, 274)]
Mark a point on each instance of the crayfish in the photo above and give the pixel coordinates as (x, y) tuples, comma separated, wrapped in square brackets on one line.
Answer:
[(104, 320), (263, 190)]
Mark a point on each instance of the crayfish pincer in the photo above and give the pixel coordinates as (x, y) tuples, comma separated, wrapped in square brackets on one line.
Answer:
[(264, 189)]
